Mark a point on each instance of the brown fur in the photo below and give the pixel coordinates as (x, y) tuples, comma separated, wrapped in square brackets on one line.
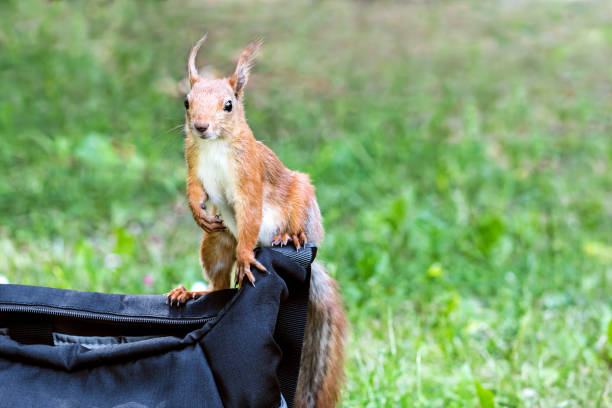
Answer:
[(218, 254), (261, 202), (321, 367)]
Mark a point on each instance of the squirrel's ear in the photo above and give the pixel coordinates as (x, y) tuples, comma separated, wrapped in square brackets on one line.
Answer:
[(241, 75), (191, 67)]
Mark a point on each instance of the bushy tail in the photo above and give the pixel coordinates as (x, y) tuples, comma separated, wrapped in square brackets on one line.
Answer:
[(321, 367)]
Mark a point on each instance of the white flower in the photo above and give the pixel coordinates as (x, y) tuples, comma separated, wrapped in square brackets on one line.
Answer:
[(112, 261), (529, 393)]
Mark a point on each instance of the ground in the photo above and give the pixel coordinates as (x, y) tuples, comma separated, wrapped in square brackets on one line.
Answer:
[(461, 153)]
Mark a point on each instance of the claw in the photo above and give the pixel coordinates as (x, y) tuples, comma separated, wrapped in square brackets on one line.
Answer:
[(296, 241), (244, 269), (281, 239), (299, 240)]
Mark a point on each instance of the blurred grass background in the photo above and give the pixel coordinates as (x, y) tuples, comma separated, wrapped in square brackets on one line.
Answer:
[(461, 153)]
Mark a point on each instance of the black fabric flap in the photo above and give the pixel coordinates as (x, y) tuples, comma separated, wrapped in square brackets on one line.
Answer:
[(235, 357)]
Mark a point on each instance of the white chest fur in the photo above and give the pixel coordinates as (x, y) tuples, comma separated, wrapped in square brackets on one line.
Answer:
[(217, 174), (215, 171)]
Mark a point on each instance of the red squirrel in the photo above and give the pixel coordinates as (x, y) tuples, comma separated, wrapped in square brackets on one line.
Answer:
[(262, 203)]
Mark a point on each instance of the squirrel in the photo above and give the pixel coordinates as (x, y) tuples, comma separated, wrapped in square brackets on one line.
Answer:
[(262, 203)]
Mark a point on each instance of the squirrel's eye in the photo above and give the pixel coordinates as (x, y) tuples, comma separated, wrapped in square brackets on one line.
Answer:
[(186, 103), (228, 106)]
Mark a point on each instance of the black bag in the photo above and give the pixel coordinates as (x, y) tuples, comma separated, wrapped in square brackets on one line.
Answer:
[(231, 348)]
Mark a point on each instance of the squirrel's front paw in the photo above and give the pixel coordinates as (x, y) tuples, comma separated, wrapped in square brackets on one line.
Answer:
[(243, 268), (209, 223)]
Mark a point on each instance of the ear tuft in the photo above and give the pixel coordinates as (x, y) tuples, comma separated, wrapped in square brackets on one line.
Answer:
[(243, 68), (191, 66)]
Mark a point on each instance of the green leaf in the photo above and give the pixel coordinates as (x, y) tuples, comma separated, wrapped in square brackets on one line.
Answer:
[(485, 396), (489, 230)]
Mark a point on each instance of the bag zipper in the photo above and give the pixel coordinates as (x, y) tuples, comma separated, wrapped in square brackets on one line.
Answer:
[(105, 317)]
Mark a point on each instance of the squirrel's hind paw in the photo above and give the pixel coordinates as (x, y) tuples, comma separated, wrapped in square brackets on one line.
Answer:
[(180, 296), (281, 239), (299, 240)]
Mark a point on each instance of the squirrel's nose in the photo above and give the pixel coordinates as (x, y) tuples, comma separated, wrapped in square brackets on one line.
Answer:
[(201, 127)]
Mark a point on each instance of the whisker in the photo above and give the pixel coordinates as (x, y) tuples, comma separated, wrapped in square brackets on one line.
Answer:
[(180, 127)]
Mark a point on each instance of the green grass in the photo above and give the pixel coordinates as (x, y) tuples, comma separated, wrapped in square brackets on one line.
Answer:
[(461, 152)]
